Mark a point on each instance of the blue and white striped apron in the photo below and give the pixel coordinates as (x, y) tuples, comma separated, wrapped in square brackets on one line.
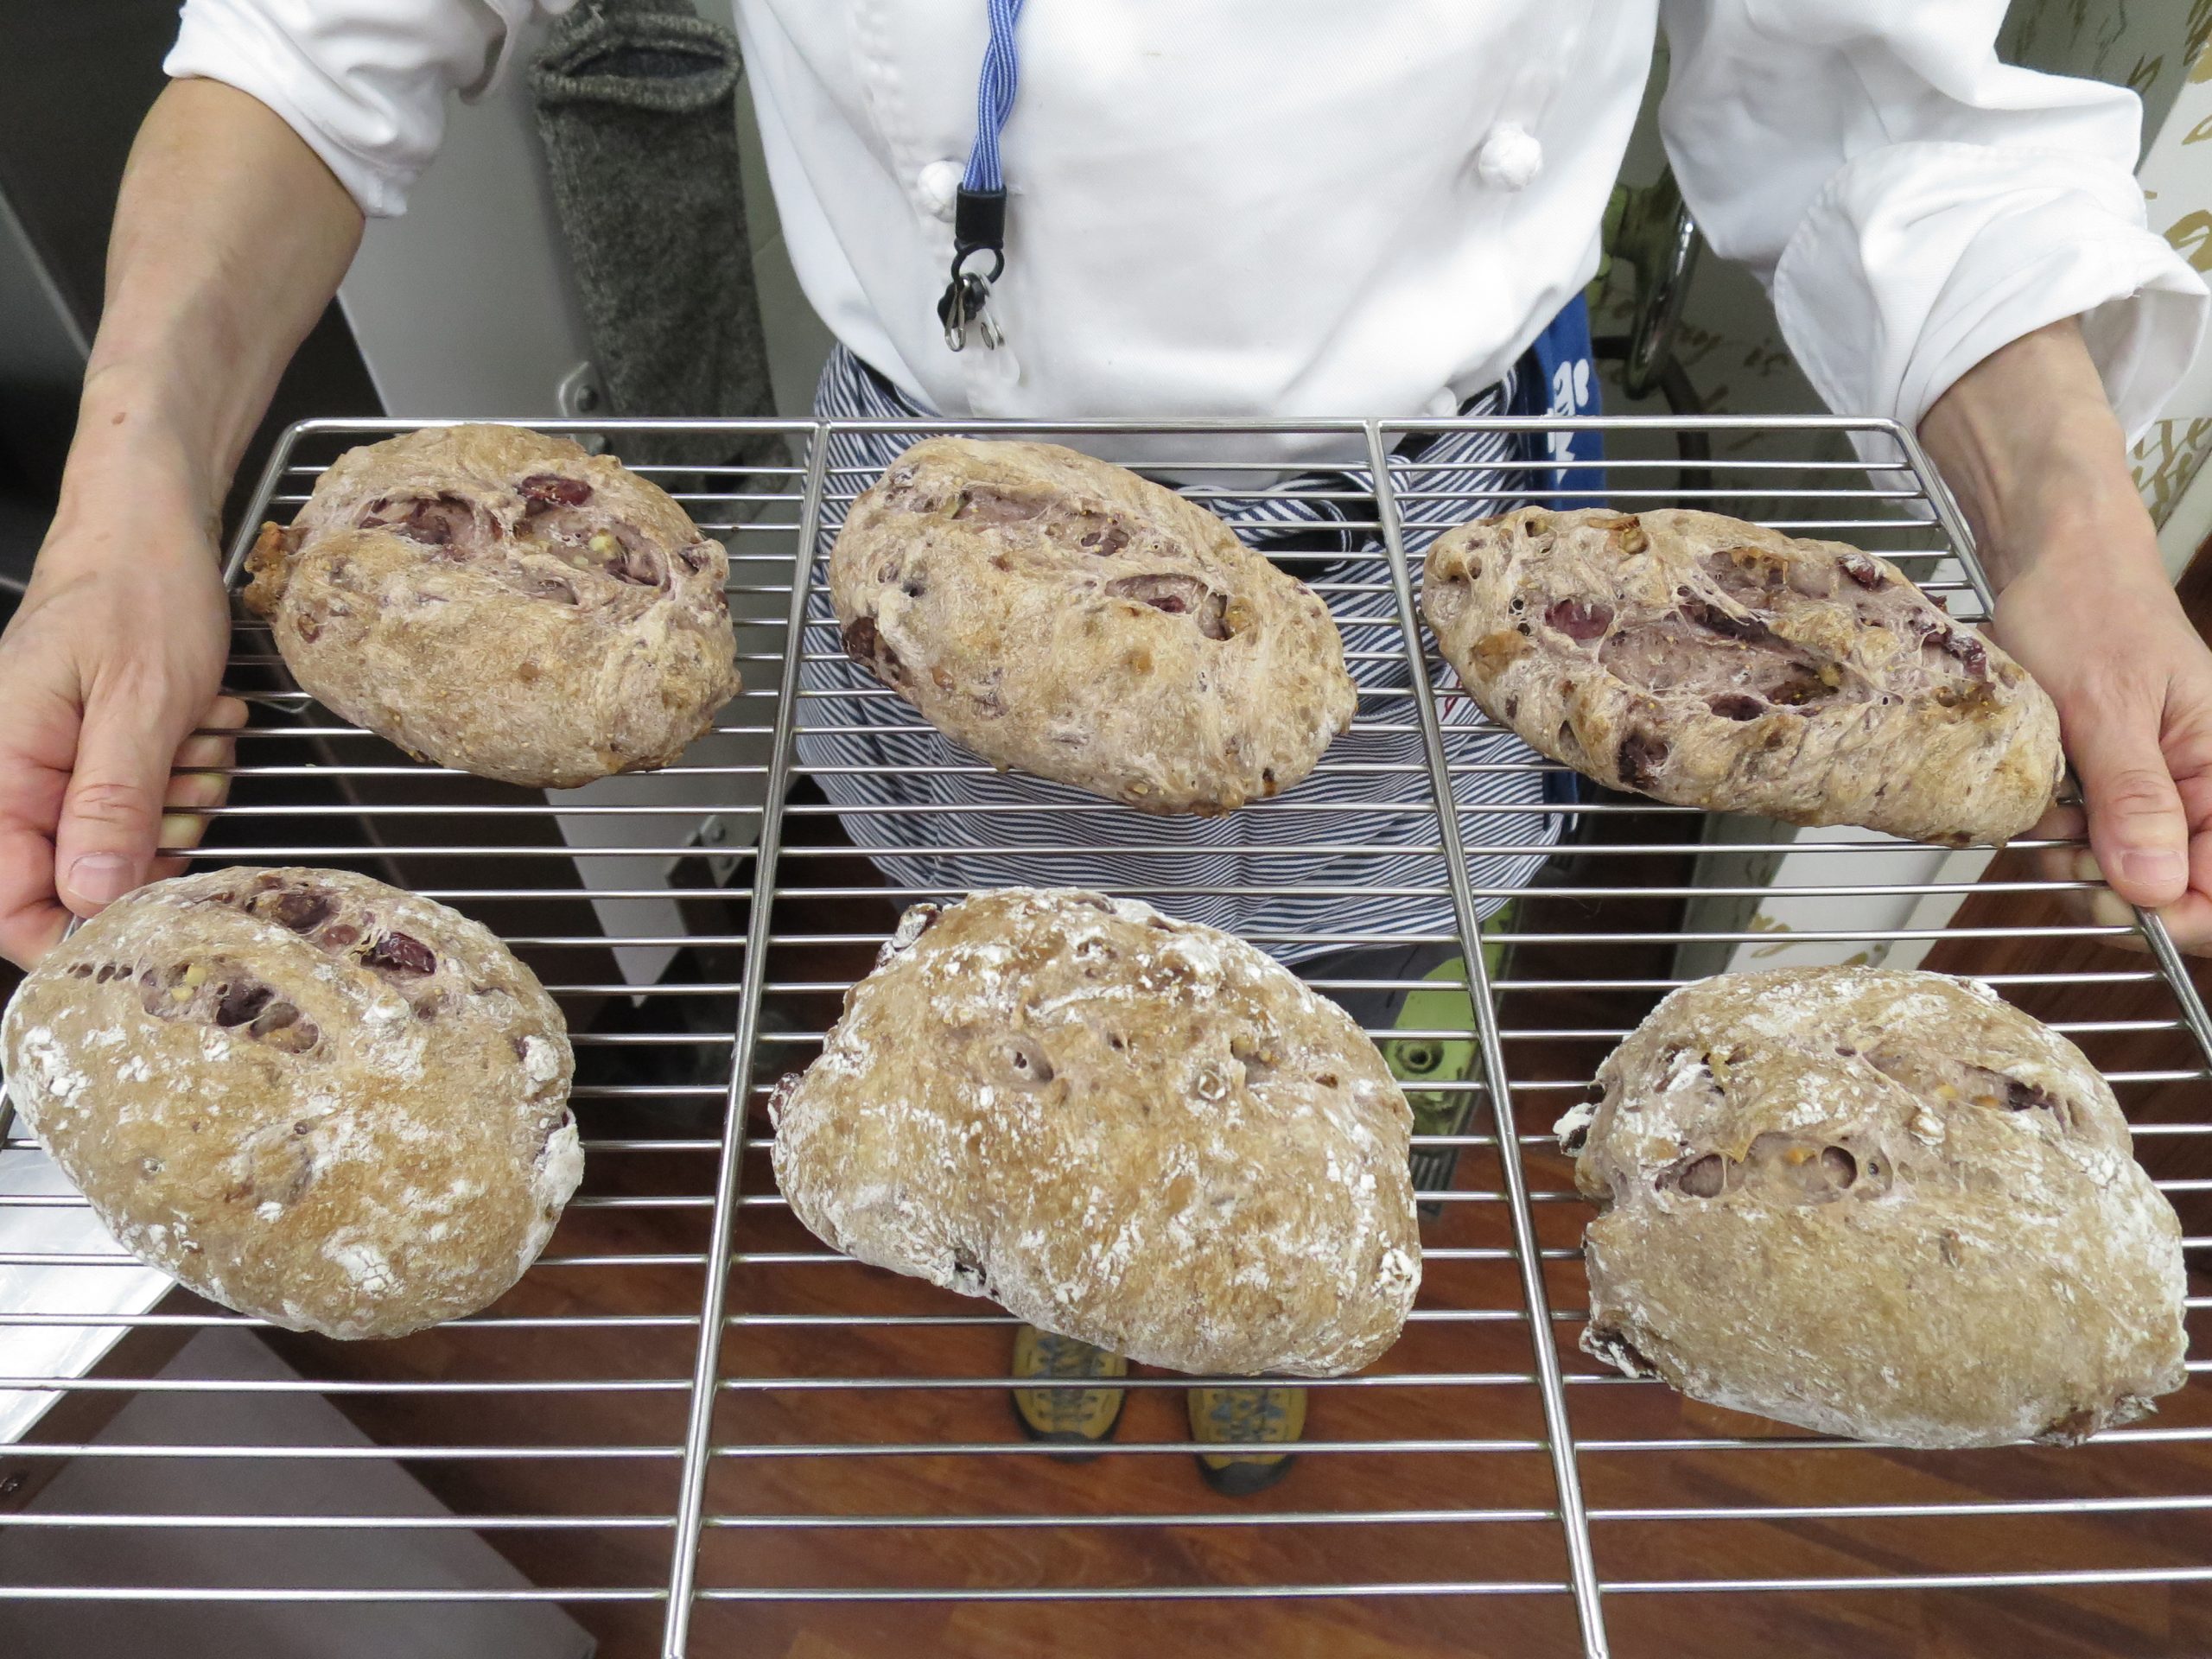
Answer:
[(1305, 874)]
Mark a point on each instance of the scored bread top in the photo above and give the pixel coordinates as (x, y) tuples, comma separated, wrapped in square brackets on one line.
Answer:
[(309, 1096)]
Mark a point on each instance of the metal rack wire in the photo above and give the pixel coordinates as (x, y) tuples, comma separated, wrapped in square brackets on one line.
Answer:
[(692, 1417)]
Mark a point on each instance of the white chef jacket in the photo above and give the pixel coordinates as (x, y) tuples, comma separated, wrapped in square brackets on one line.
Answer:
[(1318, 207)]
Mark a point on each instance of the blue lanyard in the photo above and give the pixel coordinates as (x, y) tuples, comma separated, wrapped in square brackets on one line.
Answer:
[(979, 210)]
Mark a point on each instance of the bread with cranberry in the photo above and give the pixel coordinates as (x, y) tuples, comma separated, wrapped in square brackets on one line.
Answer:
[(1065, 617), (1713, 663), (498, 600)]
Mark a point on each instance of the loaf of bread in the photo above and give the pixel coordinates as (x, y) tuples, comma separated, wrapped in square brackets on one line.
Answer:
[(306, 1095), (1063, 616), (1875, 1204), (499, 602), (1127, 1129), (1711, 662)]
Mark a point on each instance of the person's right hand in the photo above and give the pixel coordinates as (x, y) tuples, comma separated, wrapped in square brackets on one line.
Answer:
[(113, 658)]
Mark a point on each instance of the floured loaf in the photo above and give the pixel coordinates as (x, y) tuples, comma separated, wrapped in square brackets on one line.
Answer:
[(1063, 616), (497, 601), (1132, 1130), (306, 1095), (1877, 1204)]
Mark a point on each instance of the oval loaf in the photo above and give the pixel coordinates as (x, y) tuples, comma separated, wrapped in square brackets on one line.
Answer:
[(1061, 615), (1712, 662), (1127, 1129), (307, 1095), (498, 600), (1876, 1203)]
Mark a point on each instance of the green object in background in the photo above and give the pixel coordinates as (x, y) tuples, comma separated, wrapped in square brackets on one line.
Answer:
[(1444, 1006), (1441, 1005)]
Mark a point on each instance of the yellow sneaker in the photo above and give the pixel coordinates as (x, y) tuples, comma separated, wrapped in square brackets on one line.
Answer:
[(1245, 1416), (1066, 1414)]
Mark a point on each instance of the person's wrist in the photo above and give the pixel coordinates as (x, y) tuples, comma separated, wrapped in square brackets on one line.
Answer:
[(135, 460), (2068, 519), (2055, 488), (2030, 447)]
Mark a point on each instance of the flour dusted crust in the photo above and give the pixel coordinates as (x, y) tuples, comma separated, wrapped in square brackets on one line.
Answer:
[(1132, 1130), (1063, 616), (308, 1096), (1712, 662), (1875, 1204), (498, 600)]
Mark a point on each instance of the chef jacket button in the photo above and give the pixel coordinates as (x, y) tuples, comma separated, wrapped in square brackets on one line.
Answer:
[(1510, 157), (939, 183)]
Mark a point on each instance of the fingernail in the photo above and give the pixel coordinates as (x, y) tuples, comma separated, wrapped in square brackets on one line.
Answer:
[(100, 877), (2153, 868), (2108, 909)]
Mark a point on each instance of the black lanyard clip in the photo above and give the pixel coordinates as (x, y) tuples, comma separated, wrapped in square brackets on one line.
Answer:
[(978, 227)]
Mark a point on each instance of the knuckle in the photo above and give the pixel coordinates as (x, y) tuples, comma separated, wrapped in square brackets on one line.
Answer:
[(113, 801), (2136, 792)]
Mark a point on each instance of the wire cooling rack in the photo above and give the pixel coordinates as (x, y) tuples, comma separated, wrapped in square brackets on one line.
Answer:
[(701, 1432)]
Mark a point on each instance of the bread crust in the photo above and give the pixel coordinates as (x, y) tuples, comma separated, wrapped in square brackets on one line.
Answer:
[(1712, 662), (1877, 1203), (1125, 1128), (307, 1095), (1060, 615), (498, 600)]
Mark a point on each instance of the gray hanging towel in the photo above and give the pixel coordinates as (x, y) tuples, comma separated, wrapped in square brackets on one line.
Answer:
[(636, 102)]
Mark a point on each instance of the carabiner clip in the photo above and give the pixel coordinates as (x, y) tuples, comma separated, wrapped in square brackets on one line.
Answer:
[(966, 301)]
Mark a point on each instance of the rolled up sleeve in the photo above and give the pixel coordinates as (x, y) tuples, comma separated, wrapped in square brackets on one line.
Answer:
[(363, 82), (1913, 204)]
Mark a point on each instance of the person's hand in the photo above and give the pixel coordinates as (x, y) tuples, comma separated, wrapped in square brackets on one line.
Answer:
[(113, 658), (2028, 444), (2133, 685)]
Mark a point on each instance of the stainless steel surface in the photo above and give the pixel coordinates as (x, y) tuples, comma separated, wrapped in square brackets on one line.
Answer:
[(679, 1280)]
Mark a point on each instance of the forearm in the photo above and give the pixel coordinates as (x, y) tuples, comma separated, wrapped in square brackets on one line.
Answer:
[(2038, 463), (230, 239)]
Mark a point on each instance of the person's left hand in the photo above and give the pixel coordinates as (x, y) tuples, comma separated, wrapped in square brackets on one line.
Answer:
[(2105, 636)]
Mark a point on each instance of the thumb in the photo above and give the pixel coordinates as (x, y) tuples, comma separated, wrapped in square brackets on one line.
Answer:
[(111, 817), (2137, 827)]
